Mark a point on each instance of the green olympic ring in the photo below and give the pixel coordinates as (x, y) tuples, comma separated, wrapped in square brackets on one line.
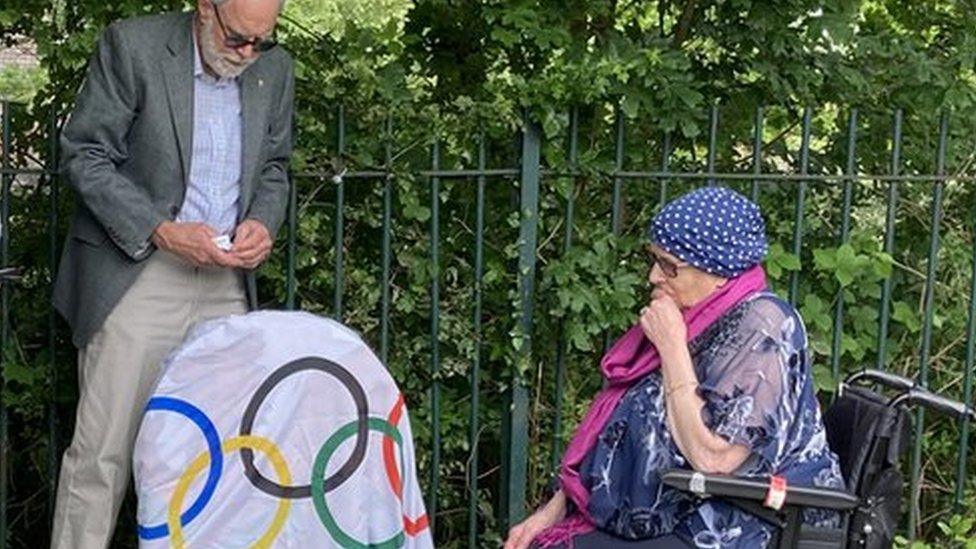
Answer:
[(318, 493)]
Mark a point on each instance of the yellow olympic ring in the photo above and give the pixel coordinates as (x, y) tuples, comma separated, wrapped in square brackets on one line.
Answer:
[(203, 460)]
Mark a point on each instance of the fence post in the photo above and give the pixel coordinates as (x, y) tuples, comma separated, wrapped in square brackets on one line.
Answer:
[(967, 385), (927, 311), (291, 242), (845, 231), (4, 251), (801, 189), (435, 352), (54, 438), (560, 374), (340, 190), (515, 439), (889, 242)]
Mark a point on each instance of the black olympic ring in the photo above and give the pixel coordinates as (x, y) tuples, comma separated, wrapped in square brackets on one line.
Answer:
[(362, 429)]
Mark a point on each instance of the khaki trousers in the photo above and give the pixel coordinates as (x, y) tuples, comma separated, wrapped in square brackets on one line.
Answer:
[(117, 371)]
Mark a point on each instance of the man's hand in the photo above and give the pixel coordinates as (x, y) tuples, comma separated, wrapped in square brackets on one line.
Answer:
[(252, 243), (193, 242)]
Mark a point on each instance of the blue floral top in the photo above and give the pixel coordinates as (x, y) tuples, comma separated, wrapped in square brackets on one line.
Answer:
[(754, 376)]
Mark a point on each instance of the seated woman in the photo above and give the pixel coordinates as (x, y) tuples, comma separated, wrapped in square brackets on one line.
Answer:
[(715, 376)]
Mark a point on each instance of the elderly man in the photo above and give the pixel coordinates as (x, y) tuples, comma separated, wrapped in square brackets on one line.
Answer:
[(177, 150)]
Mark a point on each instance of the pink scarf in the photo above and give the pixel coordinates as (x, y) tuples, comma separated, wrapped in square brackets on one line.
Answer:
[(630, 359)]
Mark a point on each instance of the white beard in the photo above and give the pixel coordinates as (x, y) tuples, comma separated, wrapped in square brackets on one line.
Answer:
[(220, 63)]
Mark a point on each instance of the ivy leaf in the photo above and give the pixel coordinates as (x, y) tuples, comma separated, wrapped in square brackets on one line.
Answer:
[(823, 379), (824, 259), (847, 265), (907, 316), (814, 311), (20, 372), (630, 106), (790, 262), (779, 260), (882, 265), (851, 346)]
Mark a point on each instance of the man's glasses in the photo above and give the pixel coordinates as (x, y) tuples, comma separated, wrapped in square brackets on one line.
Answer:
[(668, 267), (235, 40)]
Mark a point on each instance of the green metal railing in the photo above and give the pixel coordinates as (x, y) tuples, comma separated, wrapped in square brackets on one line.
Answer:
[(4, 320), (534, 180)]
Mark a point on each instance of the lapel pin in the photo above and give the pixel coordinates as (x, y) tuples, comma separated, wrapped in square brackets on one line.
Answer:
[(260, 82)]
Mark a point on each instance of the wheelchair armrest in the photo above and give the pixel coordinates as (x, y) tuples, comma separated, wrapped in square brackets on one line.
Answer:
[(755, 489)]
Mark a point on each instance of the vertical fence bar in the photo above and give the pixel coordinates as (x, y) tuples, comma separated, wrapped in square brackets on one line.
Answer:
[(561, 329), (387, 256), (53, 426), (517, 424), (801, 190), (757, 146), (927, 311), (665, 168), (435, 355), (618, 166), (339, 214), (479, 246), (967, 384), (712, 141), (4, 319), (845, 229), (616, 210), (291, 246), (889, 241)]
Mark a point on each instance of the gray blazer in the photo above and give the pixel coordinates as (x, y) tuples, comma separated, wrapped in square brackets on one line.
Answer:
[(126, 153)]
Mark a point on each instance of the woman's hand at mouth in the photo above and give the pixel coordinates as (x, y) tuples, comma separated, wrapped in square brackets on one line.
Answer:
[(662, 322)]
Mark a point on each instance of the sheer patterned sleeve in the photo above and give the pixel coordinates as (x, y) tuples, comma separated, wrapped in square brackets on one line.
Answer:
[(749, 386)]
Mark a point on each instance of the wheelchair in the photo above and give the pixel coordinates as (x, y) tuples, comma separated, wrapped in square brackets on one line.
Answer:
[(869, 432)]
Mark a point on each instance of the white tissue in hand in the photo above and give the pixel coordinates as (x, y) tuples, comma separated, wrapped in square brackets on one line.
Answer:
[(223, 242)]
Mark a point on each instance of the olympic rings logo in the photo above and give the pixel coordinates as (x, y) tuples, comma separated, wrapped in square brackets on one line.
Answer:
[(246, 442)]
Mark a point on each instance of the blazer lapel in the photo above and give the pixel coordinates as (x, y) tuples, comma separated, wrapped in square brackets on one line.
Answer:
[(178, 70), (255, 100)]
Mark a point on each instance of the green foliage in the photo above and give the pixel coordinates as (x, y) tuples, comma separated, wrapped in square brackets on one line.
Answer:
[(854, 271), (19, 85), (593, 283), (449, 72), (780, 262), (333, 17), (958, 531)]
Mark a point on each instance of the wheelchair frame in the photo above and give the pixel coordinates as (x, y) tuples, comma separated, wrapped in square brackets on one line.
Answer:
[(751, 493)]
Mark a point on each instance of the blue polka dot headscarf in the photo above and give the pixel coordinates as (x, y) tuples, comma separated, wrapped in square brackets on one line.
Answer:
[(715, 229)]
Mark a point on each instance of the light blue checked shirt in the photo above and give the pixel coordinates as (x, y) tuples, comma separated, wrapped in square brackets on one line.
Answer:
[(215, 165)]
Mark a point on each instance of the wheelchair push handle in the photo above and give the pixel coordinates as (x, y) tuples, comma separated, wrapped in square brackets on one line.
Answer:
[(934, 401), (911, 393), (888, 379)]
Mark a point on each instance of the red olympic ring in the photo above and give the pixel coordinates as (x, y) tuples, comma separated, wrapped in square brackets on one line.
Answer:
[(411, 527)]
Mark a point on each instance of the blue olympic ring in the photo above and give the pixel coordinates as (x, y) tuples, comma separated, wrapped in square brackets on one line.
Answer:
[(197, 416)]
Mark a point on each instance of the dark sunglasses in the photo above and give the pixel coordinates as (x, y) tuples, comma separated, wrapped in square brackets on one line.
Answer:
[(668, 267), (235, 40)]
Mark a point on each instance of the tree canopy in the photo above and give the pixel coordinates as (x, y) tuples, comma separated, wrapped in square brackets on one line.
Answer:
[(446, 71)]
